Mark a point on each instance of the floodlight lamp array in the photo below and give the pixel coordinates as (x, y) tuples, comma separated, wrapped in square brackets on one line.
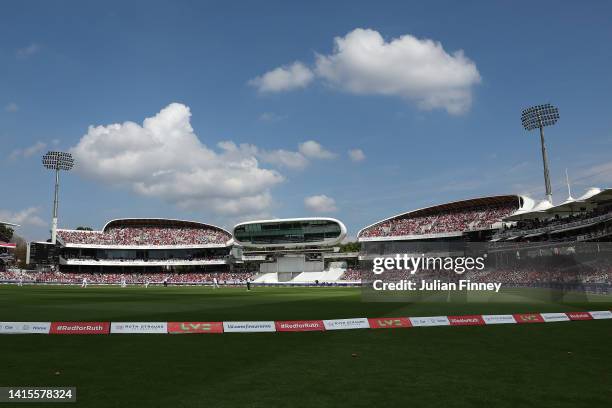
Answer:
[(58, 161), (539, 116)]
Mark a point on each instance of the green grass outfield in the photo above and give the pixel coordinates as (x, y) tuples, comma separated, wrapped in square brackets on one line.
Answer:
[(566, 364)]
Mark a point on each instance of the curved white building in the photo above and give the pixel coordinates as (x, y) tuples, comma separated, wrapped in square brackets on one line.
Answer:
[(291, 249)]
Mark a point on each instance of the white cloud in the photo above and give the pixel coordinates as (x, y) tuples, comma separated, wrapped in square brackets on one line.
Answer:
[(285, 78), (164, 158), (30, 151), (28, 216), (320, 204), (28, 51), (415, 69), (297, 160), (270, 117), (418, 70), (284, 158), (11, 107), (244, 205), (314, 150), (356, 155)]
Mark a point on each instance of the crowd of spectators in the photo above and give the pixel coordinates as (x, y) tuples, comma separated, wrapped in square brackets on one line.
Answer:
[(509, 276), (536, 223), (351, 275), (169, 260), (530, 275), (448, 221), (525, 274), (146, 236), (223, 278)]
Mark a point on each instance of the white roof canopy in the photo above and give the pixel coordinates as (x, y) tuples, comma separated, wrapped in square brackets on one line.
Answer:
[(593, 197)]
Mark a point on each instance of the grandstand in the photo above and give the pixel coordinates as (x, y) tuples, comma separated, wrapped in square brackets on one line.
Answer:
[(305, 251), (585, 219), (525, 243), (145, 245), (476, 218), (501, 220), (133, 278), (139, 250)]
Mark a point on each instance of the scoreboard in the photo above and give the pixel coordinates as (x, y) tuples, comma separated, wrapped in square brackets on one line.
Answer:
[(42, 253)]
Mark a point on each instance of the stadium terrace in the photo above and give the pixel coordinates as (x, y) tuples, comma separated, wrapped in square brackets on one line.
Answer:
[(145, 245), (478, 215), (147, 233), (305, 251)]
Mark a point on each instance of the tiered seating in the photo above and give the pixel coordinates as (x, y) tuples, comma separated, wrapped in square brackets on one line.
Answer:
[(145, 236), (443, 222), (133, 278), (557, 223), (351, 275)]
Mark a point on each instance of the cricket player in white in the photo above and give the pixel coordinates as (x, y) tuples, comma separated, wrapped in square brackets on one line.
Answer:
[(215, 283), (84, 283), (123, 284)]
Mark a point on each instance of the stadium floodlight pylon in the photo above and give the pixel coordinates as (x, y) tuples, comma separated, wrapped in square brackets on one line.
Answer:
[(537, 117), (57, 161)]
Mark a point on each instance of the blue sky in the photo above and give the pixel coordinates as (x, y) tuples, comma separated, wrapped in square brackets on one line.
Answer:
[(453, 132)]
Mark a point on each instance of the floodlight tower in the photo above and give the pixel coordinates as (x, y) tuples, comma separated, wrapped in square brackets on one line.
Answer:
[(537, 117), (57, 161)]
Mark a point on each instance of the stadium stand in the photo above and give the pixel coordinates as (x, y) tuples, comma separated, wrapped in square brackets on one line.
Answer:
[(300, 252), (540, 271), (589, 225), (139, 245), (145, 236), (455, 217), (58, 277), (351, 275), (89, 260)]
